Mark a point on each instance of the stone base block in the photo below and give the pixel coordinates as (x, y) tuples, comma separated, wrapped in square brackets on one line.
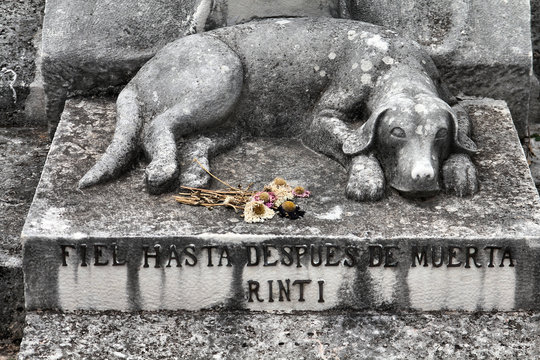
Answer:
[(115, 247), (11, 297), (242, 335)]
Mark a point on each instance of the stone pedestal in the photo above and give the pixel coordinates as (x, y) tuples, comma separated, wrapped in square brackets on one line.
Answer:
[(115, 247)]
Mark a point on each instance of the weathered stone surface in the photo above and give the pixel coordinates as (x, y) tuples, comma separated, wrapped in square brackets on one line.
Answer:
[(231, 12), (535, 153), (241, 335), (505, 213), (20, 20), (11, 297), (22, 155), (98, 44), (535, 34), (482, 48)]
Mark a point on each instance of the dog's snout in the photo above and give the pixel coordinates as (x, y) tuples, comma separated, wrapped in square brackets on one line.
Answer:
[(422, 171)]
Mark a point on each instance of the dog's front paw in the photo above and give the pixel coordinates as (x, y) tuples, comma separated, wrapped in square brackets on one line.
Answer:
[(366, 179), (459, 175)]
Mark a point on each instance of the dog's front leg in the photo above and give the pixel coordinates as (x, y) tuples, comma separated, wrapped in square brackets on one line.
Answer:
[(366, 179), (327, 134), (459, 175)]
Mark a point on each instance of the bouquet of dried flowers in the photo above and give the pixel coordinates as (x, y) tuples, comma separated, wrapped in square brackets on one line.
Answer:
[(257, 206)]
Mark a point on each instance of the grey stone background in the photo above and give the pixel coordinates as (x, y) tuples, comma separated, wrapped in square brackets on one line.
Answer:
[(20, 22), (23, 148)]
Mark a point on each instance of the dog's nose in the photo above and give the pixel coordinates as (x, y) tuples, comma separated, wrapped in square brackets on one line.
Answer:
[(422, 171)]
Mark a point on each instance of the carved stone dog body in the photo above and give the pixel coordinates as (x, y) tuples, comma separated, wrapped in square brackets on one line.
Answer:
[(309, 78)]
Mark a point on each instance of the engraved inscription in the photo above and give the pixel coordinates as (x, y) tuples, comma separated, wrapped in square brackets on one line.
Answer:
[(284, 286)]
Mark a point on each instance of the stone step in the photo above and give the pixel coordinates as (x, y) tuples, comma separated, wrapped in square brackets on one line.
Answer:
[(243, 335), (115, 247)]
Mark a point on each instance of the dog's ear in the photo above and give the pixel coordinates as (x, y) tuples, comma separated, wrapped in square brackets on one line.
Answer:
[(362, 139), (462, 142)]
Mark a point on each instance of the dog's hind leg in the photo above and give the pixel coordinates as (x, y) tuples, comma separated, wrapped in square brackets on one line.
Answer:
[(159, 143), (207, 92), (203, 147)]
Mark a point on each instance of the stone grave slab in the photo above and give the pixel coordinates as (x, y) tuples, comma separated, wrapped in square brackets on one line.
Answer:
[(115, 247)]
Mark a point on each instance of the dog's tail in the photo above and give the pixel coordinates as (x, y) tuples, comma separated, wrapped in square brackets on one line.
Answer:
[(123, 147)]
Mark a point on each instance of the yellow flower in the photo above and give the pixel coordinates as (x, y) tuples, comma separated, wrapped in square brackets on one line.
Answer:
[(256, 211), (282, 195), (282, 190)]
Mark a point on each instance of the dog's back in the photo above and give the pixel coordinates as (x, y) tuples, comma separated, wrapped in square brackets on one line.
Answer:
[(289, 63)]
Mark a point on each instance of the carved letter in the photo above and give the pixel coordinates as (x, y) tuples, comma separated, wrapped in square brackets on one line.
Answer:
[(254, 289), (321, 297), (156, 256), (351, 253), (248, 249), (225, 255), (115, 261), (389, 257), (209, 249), (299, 253), (65, 254), (98, 252), (282, 290), (330, 253), (441, 257), (270, 291), (288, 255), (301, 284), (422, 257), (267, 254), (312, 255), (191, 255), (173, 255), (471, 255), (375, 249), (83, 255), (507, 255), (491, 251), (451, 256)]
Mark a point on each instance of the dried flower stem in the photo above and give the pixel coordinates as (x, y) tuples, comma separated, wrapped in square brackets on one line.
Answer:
[(212, 175)]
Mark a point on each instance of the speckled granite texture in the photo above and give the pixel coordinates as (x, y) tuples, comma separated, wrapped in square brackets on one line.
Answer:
[(240, 335)]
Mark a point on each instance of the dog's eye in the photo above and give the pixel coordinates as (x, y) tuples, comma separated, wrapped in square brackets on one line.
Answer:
[(441, 134), (398, 132)]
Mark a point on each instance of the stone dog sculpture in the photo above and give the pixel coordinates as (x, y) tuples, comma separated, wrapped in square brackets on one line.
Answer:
[(316, 79)]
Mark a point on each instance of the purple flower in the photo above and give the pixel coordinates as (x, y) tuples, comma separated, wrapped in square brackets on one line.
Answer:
[(267, 197), (300, 192)]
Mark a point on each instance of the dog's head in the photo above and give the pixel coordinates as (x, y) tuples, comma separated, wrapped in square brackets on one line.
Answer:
[(411, 137)]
